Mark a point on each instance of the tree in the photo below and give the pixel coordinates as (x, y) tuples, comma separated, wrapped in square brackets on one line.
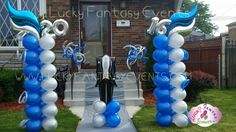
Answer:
[(203, 18)]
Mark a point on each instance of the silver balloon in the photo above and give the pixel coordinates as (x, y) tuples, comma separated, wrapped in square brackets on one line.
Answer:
[(176, 40), (180, 120), (48, 70), (99, 120), (49, 124), (178, 68), (49, 97), (179, 107), (49, 84), (47, 56), (178, 94), (47, 42), (99, 107), (177, 80), (50, 110), (176, 55)]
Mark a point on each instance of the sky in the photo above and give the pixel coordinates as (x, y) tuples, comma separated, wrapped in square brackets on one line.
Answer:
[(224, 11)]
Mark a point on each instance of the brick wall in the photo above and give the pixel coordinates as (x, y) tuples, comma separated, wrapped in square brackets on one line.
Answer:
[(120, 36)]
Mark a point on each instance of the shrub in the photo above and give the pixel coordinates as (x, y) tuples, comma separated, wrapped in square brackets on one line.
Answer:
[(200, 81), (11, 82)]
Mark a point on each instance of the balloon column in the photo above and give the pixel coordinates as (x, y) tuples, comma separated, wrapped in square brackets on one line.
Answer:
[(39, 84), (170, 79), (136, 52), (106, 114)]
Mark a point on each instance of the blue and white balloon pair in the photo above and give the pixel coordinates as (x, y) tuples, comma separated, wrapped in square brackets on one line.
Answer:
[(170, 79), (37, 58), (136, 52), (75, 52), (106, 114)]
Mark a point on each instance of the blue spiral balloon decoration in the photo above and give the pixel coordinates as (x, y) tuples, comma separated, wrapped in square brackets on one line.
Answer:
[(170, 79), (39, 84)]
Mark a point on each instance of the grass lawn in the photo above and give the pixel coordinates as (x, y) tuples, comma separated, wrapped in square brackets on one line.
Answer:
[(225, 100), (67, 122)]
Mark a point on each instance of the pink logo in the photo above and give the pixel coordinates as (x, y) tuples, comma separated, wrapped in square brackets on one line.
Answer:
[(205, 115)]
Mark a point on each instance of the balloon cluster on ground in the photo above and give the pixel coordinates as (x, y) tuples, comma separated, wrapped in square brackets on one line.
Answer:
[(39, 95), (170, 79), (106, 114)]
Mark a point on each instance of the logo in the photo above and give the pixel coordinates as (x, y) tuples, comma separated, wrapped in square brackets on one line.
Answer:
[(204, 115)]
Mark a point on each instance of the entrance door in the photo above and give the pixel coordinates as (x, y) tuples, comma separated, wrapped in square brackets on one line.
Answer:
[(95, 27)]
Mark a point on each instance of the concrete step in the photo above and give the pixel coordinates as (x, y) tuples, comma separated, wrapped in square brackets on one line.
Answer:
[(80, 93), (81, 102)]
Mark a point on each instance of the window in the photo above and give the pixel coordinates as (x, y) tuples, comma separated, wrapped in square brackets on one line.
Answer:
[(7, 35)]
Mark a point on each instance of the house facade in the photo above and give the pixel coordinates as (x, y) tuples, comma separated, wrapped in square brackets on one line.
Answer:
[(104, 26)]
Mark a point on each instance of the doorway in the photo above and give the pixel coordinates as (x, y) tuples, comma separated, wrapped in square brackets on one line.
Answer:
[(96, 31)]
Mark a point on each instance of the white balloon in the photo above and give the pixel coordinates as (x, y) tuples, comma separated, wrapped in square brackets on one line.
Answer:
[(99, 120), (178, 94), (178, 68), (176, 55), (49, 124), (47, 56), (49, 97), (48, 70), (99, 107), (176, 40), (180, 120), (49, 84), (177, 80), (50, 110), (47, 42), (179, 107)]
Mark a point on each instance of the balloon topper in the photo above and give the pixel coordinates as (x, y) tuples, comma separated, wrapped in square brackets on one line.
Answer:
[(170, 79), (38, 38), (136, 52), (73, 51)]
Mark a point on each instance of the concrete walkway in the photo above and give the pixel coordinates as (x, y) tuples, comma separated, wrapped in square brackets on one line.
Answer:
[(79, 110), (86, 125)]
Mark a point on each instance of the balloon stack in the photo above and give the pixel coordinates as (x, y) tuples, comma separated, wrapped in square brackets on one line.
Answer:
[(137, 52), (39, 84), (170, 79), (106, 114)]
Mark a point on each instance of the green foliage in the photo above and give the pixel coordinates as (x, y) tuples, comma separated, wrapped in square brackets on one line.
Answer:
[(200, 81), (144, 120), (203, 18), (10, 86), (67, 122), (149, 64)]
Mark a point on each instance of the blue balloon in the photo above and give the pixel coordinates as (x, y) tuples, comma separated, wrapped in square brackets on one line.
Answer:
[(42, 91), (160, 55), (186, 55), (163, 120), (33, 112), (39, 50), (160, 67), (32, 85), (161, 81), (31, 71), (113, 120), (161, 41), (162, 95), (164, 107), (30, 57), (33, 99), (30, 42), (33, 126), (112, 108), (185, 83), (40, 64)]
